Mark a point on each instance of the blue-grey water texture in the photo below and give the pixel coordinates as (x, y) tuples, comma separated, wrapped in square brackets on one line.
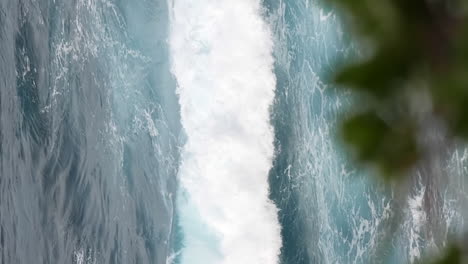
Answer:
[(88, 133), (90, 137)]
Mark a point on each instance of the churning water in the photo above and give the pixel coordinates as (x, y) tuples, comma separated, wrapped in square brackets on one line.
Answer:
[(195, 132)]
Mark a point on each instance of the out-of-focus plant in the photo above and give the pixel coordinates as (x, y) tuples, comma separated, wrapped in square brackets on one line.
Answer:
[(418, 47), (453, 255), (417, 54)]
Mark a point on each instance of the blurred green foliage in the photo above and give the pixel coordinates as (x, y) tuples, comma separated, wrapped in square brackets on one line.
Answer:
[(414, 52), (413, 47), (452, 255)]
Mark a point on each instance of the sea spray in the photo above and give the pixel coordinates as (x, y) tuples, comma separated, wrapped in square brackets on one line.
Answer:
[(222, 60)]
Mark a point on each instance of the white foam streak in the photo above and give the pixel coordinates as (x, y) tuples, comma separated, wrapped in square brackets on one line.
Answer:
[(221, 53)]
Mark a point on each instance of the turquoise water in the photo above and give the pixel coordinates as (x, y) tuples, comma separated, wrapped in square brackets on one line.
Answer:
[(331, 211), (197, 131)]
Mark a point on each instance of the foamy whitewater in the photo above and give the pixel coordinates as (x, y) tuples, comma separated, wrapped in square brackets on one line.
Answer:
[(222, 60), (198, 132)]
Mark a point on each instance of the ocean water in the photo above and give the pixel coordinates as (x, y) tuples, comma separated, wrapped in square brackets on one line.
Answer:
[(89, 132), (197, 132), (330, 210)]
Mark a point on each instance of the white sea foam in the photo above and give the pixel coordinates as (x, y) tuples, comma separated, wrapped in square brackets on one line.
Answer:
[(418, 219), (221, 58)]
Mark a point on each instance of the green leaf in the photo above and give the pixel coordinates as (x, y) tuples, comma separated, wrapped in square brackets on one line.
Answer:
[(450, 95), (453, 255), (381, 75), (393, 150)]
